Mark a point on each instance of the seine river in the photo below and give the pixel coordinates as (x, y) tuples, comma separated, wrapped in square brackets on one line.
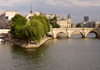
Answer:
[(57, 54)]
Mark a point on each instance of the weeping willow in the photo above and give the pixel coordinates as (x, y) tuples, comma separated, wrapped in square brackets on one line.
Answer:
[(43, 20), (33, 30)]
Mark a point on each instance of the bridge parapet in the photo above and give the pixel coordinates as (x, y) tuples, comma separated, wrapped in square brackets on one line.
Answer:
[(69, 31)]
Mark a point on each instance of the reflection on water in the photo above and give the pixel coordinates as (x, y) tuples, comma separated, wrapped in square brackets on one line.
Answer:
[(57, 54)]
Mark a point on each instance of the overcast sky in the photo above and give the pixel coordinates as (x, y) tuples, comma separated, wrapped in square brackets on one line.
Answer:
[(77, 8)]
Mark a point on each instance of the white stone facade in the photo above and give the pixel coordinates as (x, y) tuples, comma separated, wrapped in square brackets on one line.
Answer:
[(38, 13), (5, 19), (68, 23), (62, 23), (9, 14), (50, 16), (28, 16), (65, 23)]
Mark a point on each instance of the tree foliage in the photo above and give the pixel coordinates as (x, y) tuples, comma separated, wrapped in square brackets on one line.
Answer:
[(78, 25), (53, 22), (44, 21), (48, 23), (33, 30), (17, 24)]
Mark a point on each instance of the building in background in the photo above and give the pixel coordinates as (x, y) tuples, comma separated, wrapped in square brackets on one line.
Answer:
[(50, 16), (97, 24), (38, 13), (73, 25), (65, 23), (5, 19), (69, 21), (91, 24), (62, 22), (86, 18), (29, 15)]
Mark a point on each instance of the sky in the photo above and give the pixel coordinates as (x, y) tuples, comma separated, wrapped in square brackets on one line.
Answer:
[(76, 8)]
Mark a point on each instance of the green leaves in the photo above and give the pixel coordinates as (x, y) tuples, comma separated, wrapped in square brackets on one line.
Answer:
[(34, 29), (44, 21), (78, 25), (53, 22), (18, 20), (17, 25)]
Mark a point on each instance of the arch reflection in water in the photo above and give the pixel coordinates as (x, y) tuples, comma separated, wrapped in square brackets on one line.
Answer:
[(76, 34), (92, 34)]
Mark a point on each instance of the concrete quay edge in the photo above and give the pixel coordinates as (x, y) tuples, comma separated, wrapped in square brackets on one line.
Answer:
[(30, 46)]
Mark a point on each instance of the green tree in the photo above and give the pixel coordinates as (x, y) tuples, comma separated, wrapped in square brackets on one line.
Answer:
[(53, 22), (78, 25), (17, 24), (56, 26), (33, 30), (48, 23), (44, 21)]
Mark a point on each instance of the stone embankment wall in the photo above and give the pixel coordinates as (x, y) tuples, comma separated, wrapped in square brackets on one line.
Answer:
[(29, 46)]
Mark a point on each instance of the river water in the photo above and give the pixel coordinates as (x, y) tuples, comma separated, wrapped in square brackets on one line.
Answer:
[(57, 54)]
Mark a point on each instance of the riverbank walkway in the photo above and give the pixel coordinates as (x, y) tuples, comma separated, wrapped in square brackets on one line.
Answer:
[(29, 46)]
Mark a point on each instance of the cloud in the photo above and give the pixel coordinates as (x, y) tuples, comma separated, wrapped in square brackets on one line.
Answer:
[(4, 3), (52, 2), (74, 2), (77, 8), (62, 3), (10, 2), (85, 3), (17, 1)]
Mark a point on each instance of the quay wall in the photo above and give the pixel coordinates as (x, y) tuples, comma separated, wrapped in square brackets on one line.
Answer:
[(29, 46)]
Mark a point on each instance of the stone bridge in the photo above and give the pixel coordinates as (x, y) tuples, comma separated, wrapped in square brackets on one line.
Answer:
[(67, 31), (70, 31)]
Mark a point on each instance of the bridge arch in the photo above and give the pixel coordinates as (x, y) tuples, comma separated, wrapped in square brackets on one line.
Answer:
[(54, 34), (77, 32), (61, 34), (93, 31)]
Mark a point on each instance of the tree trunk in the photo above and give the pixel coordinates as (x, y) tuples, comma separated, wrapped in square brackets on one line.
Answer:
[(29, 40)]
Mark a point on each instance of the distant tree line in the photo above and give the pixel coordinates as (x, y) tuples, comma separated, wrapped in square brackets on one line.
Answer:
[(78, 25), (53, 22)]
